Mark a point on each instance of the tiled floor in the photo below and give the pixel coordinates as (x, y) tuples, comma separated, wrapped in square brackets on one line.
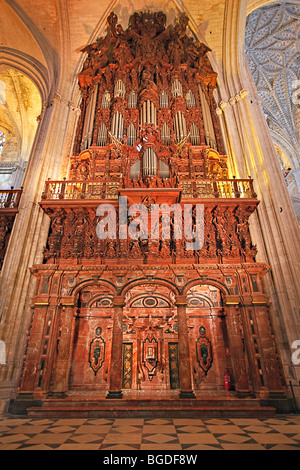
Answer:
[(279, 433)]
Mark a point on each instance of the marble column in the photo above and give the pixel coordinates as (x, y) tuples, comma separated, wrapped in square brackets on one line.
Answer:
[(271, 361), (184, 360), (236, 349), (116, 364), (35, 340), (64, 346)]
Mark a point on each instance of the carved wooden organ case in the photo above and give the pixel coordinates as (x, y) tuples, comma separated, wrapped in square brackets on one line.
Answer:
[(148, 130)]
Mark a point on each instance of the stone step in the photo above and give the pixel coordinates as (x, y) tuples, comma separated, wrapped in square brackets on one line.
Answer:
[(121, 403), (150, 408)]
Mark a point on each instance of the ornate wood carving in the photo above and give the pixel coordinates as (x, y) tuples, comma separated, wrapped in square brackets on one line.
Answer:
[(204, 351), (142, 278), (97, 351)]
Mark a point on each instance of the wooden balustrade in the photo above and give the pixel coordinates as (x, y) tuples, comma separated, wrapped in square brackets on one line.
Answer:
[(9, 203), (10, 198), (191, 189)]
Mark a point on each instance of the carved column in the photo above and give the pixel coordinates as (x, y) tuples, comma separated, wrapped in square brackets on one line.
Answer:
[(116, 364), (30, 373), (64, 345), (272, 366), (236, 348), (185, 376)]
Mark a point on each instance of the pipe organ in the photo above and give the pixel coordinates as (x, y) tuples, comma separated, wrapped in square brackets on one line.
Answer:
[(148, 313), (171, 93)]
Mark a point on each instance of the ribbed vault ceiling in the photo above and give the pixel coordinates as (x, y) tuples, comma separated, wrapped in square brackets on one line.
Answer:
[(272, 42)]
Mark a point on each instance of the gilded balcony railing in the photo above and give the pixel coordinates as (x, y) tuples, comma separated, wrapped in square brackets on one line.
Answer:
[(89, 190)]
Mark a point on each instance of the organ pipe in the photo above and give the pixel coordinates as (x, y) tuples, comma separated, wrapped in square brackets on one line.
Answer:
[(208, 124), (149, 163), (89, 120), (148, 113)]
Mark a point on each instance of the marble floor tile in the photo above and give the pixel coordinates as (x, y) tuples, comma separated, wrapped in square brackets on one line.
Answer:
[(188, 422), (84, 438), (247, 422), (272, 438), (203, 438), (151, 428), (158, 421), (82, 446), (128, 422), (159, 438), (259, 429), (247, 447), (119, 447), (286, 428), (278, 433), (37, 447), (234, 438), (61, 429), (91, 429), (201, 447), (48, 438), (29, 429), (226, 428), (13, 446), (122, 439), (191, 429), (70, 421), (125, 428), (9, 438), (155, 446)]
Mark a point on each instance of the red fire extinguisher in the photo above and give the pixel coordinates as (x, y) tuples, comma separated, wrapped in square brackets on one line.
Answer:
[(227, 381)]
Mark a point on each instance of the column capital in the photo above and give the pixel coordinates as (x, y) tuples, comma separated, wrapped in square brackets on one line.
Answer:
[(180, 301), (232, 301), (118, 302)]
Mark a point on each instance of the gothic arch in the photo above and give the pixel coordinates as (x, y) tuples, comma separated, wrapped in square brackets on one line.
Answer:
[(26, 64), (34, 57)]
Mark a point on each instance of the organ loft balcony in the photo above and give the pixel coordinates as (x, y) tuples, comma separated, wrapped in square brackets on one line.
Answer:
[(195, 175), (148, 131), (87, 193)]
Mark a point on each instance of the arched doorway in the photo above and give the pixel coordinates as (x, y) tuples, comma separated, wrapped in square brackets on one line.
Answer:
[(150, 339), (209, 348), (150, 360), (92, 340)]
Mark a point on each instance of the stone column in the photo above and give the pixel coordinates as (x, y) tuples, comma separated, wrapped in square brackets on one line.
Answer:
[(116, 363), (29, 235), (236, 348), (64, 349), (184, 359)]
